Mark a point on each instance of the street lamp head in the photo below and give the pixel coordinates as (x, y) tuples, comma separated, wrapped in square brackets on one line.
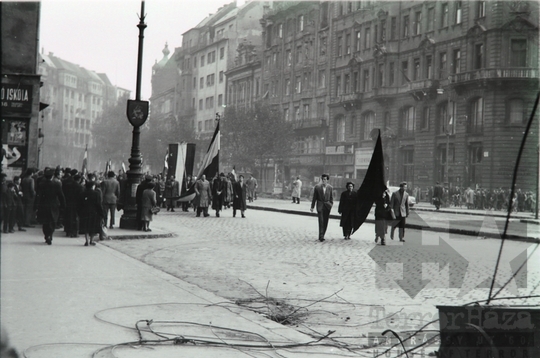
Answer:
[(440, 90)]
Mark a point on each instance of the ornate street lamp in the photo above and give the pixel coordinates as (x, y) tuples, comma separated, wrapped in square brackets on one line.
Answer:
[(137, 113)]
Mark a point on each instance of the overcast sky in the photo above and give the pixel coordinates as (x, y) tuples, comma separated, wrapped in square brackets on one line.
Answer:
[(102, 35)]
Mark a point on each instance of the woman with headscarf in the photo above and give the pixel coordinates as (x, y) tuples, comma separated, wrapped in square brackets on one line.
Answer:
[(347, 209), (90, 213), (148, 201), (382, 214)]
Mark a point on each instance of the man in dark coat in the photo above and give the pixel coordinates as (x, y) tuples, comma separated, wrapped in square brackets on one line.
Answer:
[(240, 194), (324, 199), (110, 188), (437, 195), (172, 190), (347, 209), (219, 187), (72, 189), (19, 207), (399, 204), (29, 195), (49, 201)]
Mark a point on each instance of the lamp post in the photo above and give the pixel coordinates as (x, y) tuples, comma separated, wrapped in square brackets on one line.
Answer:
[(137, 113)]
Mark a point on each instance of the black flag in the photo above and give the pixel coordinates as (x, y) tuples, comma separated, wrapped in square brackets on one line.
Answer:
[(372, 187)]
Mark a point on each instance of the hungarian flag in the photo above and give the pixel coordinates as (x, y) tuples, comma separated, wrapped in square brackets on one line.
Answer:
[(166, 165), (84, 169), (233, 172), (372, 187), (108, 167), (209, 167)]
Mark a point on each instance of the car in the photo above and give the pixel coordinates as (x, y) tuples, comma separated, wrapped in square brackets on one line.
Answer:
[(412, 199)]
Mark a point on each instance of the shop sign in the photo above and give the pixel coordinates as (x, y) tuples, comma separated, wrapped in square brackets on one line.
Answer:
[(16, 98), (362, 157), (339, 149), (14, 145)]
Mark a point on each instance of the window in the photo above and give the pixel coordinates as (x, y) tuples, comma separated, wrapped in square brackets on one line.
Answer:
[(365, 85), (457, 16), (211, 57), (380, 79), (356, 82), (193, 103), (301, 23), (442, 65), (476, 154), (516, 111), (221, 76), (338, 86), (444, 15), (408, 121), (417, 23), (306, 111), (481, 9), (320, 109), (221, 53), (210, 80), (286, 114), (408, 165), (347, 82), (416, 69), (287, 87), (280, 31), (429, 67), (298, 84), (340, 46), (348, 44), (478, 56), (274, 59), (430, 18), (296, 113), (518, 53), (447, 123), (477, 115), (404, 71), (368, 124), (456, 58), (367, 38), (393, 28), (220, 100), (340, 129), (201, 82), (202, 60), (383, 30), (322, 79), (405, 26), (391, 78), (426, 118), (200, 105), (299, 54), (358, 38)]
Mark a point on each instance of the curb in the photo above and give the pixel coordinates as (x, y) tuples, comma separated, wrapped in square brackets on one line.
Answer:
[(412, 226), (141, 236)]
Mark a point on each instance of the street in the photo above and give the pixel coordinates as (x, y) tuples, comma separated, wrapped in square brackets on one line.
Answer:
[(272, 263)]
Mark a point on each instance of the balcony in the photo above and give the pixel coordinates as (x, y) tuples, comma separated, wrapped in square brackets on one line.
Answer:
[(495, 73), (309, 123), (348, 100)]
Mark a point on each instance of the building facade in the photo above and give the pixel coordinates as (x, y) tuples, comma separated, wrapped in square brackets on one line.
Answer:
[(76, 98), (450, 85), (19, 94)]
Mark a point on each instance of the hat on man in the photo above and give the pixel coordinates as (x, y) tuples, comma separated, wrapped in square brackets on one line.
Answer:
[(148, 178)]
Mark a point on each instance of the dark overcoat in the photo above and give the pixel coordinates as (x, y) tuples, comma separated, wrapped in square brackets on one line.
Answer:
[(347, 207), (49, 201), (90, 212), (240, 195)]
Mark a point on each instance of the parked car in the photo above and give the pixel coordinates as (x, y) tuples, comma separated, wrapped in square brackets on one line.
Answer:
[(412, 199)]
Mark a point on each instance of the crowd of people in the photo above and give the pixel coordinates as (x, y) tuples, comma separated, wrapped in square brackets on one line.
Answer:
[(482, 199)]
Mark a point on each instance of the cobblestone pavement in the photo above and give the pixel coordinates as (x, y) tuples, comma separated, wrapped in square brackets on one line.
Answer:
[(354, 287)]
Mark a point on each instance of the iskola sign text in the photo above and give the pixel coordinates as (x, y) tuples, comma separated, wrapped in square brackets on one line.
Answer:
[(14, 94)]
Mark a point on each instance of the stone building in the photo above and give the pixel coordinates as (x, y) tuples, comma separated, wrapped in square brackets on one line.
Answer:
[(19, 94), (76, 97), (451, 85)]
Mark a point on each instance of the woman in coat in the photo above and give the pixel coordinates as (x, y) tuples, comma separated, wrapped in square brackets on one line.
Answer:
[(347, 209), (240, 195), (90, 213), (382, 214), (148, 202)]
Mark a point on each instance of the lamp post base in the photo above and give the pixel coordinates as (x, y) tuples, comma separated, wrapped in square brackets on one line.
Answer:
[(128, 220)]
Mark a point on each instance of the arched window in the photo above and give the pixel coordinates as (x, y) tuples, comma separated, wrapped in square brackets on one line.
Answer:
[(515, 110), (408, 121), (477, 115), (368, 123)]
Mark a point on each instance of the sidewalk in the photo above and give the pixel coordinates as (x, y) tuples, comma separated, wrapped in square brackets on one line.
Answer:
[(67, 300), (429, 218)]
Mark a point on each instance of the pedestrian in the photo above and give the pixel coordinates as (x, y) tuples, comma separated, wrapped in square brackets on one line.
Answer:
[(399, 203), (323, 198), (28, 195), (49, 201), (382, 216), (91, 213), (240, 195), (185, 187), (347, 209), (72, 190), (219, 186), (149, 201), (172, 189), (8, 208), (110, 188), (204, 196), (138, 199), (437, 195), (252, 188), (296, 190), (229, 192), (19, 208)]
